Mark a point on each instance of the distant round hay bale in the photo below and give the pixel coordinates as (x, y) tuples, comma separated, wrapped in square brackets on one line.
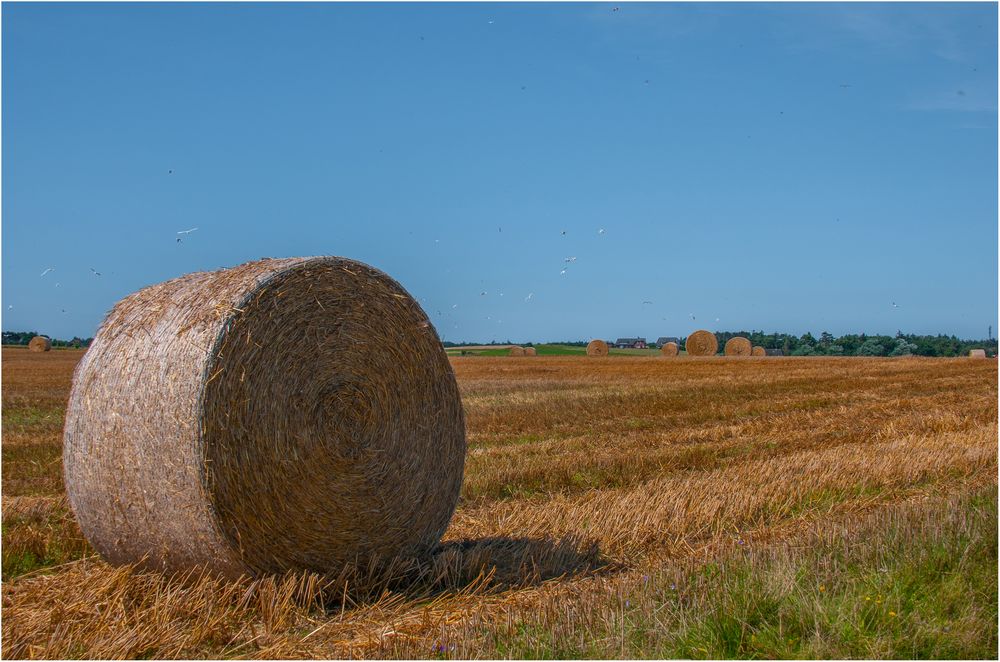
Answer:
[(597, 348), (738, 346), (516, 351), (669, 349), (702, 343), (974, 353), (758, 351), (39, 344), (530, 351), (284, 414)]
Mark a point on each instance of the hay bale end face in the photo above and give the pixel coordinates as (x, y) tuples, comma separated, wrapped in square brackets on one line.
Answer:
[(530, 351), (702, 343), (39, 344), (597, 348), (758, 351), (738, 346), (284, 414), (669, 349), (977, 353), (516, 351)]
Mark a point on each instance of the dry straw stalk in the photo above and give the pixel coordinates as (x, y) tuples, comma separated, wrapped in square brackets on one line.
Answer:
[(39, 344), (738, 346), (669, 349), (758, 351), (285, 413), (597, 348), (702, 343)]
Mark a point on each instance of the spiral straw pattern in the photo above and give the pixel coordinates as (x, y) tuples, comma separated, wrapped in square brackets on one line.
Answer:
[(669, 349), (738, 346), (597, 348), (702, 343), (284, 414)]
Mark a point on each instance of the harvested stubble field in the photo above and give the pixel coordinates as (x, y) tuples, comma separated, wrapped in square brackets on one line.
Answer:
[(611, 508)]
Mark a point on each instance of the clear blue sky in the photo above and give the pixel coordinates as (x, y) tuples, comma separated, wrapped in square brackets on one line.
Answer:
[(780, 167)]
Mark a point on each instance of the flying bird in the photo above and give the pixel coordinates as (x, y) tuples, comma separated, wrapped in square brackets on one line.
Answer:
[(649, 302), (895, 305), (96, 272), (482, 294), (601, 231), (187, 231), (570, 259), (562, 273), (563, 233), (691, 315), (528, 298), (47, 271)]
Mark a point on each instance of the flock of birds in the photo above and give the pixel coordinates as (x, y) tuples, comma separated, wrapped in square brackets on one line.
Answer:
[(179, 239), (567, 262)]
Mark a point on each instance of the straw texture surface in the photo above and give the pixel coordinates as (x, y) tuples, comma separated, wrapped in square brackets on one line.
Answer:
[(292, 413), (758, 351), (974, 353), (702, 343), (738, 346), (597, 348), (516, 351), (39, 344), (530, 351), (669, 349)]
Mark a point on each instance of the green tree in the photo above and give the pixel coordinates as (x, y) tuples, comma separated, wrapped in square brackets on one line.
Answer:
[(871, 347)]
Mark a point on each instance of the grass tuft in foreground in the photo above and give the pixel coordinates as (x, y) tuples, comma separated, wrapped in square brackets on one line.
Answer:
[(915, 583)]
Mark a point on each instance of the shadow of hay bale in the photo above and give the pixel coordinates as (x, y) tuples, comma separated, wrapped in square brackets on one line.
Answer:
[(466, 567), (515, 562)]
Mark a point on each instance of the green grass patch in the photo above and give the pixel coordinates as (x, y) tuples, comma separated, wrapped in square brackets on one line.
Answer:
[(921, 583)]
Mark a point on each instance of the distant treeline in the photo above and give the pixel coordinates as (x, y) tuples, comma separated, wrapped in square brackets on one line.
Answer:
[(24, 337), (902, 344)]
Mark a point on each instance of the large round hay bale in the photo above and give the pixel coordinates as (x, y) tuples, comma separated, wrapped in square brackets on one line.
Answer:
[(738, 346), (39, 344), (702, 343), (597, 348), (530, 351), (669, 349), (516, 351), (758, 351), (974, 353), (295, 413)]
